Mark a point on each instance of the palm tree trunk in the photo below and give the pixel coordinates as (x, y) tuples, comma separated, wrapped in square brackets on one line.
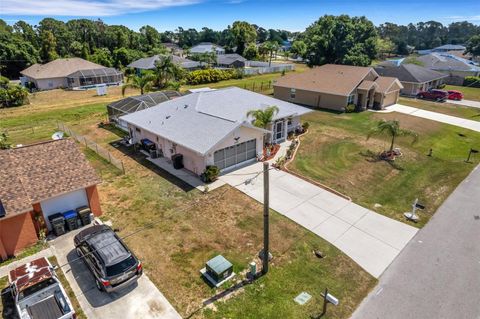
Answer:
[(393, 142)]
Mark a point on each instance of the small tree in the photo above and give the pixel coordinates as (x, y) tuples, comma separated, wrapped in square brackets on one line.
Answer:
[(263, 117), (4, 144), (166, 71), (143, 82), (391, 129)]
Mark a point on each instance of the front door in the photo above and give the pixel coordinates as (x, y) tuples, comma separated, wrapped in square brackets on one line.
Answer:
[(279, 131)]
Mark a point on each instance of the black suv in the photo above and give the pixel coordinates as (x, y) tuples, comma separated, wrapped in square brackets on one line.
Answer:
[(110, 261)]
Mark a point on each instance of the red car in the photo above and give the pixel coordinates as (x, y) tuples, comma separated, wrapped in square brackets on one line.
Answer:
[(436, 95), (455, 95)]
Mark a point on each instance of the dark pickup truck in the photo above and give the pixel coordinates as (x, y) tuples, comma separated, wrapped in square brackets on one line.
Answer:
[(435, 95)]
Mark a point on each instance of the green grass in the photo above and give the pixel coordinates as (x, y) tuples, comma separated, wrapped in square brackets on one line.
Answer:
[(335, 153), (469, 93), (3, 286), (73, 299), (25, 253)]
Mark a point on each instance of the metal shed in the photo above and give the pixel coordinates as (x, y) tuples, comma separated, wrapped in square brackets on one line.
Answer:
[(137, 103)]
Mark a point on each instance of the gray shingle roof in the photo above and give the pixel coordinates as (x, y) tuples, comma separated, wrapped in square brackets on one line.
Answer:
[(448, 47), (199, 121), (149, 63), (206, 47), (410, 73), (447, 62), (227, 59)]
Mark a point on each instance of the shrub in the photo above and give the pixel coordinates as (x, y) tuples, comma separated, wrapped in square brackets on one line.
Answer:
[(13, 95), (211, 76), (306, 125), (350, 108), (442, 86), (210, 174), (472, 81)]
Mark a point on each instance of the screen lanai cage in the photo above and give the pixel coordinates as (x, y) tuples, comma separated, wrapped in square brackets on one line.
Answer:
[(137, 103), (91, 77)]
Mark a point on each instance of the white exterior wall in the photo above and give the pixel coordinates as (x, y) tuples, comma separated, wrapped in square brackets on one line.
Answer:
[(63, 203), (50, 84)]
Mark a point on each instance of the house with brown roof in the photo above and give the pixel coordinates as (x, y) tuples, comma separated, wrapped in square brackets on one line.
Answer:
[(333, 87), (69, 73), (37, 181)]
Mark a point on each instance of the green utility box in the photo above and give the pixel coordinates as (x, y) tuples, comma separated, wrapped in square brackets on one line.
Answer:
[(219, 268)]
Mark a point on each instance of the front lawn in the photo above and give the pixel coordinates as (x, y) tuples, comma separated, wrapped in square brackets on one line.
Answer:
[(336, 153), (466, 112)]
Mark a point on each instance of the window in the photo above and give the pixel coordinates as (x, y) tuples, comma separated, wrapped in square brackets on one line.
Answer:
[(293, 93), (138, 130), (351, 99)]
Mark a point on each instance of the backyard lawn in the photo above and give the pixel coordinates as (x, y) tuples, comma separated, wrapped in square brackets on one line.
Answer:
[(336, 153)]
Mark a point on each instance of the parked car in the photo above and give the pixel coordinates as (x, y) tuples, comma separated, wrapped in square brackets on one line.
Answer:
[(436, 95), (38, 293), (455, 95), (107, 257)]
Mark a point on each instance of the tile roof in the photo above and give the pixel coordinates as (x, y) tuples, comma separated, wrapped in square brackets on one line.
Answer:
[(149, 63), (37, 172), (329, 78), (199, 121), (410, 73), (59, 68)]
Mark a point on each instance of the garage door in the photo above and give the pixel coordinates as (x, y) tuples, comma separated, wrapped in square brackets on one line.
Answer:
[(236, 154), (63, 203)]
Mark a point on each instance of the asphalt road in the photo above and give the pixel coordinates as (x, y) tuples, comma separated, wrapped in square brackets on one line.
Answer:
[(438, 274)]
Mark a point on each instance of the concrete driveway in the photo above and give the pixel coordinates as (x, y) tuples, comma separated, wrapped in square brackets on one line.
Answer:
[(434, 116), (141, 300), (370, 239)]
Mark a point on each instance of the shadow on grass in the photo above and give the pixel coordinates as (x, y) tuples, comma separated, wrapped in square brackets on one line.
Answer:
[(373, 157), (113, 129), (141, 159)]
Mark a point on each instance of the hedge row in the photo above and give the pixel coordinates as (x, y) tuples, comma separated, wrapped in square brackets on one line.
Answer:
[(472, 81), (211, 76)]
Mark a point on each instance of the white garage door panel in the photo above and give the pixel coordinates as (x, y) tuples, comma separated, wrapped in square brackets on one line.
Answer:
[(63, 203)]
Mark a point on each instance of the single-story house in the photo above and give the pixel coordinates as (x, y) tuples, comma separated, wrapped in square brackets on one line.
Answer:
[(173, 48), (69, 73), (40, 180), (232, 60), (136, 103), (455, 67), (444, 48), (207, 47), (333, 86), (414, 78), (212, 127), (149, 63)]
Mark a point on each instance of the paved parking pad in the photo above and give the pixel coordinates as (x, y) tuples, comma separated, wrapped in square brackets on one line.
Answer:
[(140, 300), (370, 239)]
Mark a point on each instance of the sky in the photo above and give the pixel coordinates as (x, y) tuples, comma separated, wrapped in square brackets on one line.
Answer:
[(292, 15)]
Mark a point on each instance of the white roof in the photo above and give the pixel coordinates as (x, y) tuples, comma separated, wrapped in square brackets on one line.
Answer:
[(199, 121)]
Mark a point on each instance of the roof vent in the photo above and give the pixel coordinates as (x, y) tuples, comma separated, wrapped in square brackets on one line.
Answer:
[(185, 106), (167, 117)]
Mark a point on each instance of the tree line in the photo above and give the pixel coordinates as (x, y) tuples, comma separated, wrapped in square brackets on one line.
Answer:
[(331, 39)]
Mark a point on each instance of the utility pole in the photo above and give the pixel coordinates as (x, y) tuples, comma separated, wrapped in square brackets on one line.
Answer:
[(265, 218)]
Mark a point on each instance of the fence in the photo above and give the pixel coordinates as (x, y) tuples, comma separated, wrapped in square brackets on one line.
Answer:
[(258, 86), (257, 67), (102, 152)]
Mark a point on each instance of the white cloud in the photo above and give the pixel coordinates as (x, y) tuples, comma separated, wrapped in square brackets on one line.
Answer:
[(85, 8)]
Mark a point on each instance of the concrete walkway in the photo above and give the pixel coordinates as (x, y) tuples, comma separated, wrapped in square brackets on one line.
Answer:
[(434, 116), (370, 239), (438, 274), (468, 103)]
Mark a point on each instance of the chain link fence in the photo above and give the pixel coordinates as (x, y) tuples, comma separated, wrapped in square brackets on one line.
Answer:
[(102, 152)]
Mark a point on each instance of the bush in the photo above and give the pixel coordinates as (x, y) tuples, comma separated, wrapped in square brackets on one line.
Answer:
[(472, 81), (442, 86), (210, 174), (305, 126), (212, 76), (13, 95), (350, 108)]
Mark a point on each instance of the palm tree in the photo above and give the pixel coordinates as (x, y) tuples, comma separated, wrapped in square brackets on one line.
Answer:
[(393, 130), (261, 118), (144, 82), (166, 70), (271, 47)]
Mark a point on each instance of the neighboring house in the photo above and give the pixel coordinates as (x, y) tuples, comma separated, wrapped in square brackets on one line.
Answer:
[(40, 180), (136, 103), (149, 63), (70, 73), (232, 60), (333, 86), (174, 49), (212, 128), (455, 67), (414, 78), (444, 48), (207, 47)]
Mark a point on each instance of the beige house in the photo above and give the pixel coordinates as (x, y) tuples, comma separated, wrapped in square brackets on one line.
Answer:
[(69, 73), (333, 87), (212, 128)]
